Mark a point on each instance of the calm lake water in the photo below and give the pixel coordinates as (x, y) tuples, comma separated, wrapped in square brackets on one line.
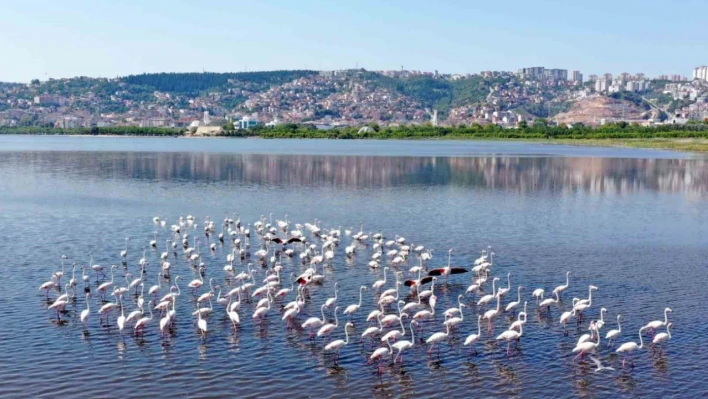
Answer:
[(632, 222)]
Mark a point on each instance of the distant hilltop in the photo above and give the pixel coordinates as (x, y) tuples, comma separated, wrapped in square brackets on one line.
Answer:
[(352, 97)]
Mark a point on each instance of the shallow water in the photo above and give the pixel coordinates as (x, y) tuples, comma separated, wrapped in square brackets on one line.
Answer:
[(629, 221)]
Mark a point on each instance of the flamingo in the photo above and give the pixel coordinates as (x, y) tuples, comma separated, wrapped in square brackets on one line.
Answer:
[(629, 347), (155, 289), (502, 291), (59, 305), (600, 323), (140, 324), (372, 331), (124, 253), (538, 294), (104, 287), (351, 309), (59, 274), (380, 283), (488, 298), (454, 320), (85, 313), (513, 305), (201, 324), (338, 344), (546, 303), (583, 304), (121, 318), (662, 338), (473, 338), (404, 345), (395, 334), (428, 293), (105, 309), (613, 334), (454, 311), (437, 337), (331, 301), (446, 271), (491, 314), (559, 290), (380, 354), (510, 335), (565, 317), (328, 328), (517, 323), (48, 286), (586, 347), (653, 325), (233, 314)]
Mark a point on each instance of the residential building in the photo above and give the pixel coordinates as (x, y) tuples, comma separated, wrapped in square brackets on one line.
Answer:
[(700, 73), (531, 73), (47, 100), (576, 76), (556, 74), (602, 84)]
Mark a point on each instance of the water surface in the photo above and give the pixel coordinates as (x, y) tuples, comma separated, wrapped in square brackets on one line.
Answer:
[(628, 221)]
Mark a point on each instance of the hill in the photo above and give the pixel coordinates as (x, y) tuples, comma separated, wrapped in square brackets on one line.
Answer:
[(592, 110)]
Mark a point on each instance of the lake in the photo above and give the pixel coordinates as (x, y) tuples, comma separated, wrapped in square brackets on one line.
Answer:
[(632, 222)]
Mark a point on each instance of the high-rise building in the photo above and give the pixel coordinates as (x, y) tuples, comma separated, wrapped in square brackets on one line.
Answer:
[(531, 73), (576, 76), (700, 73), (556, 74), (602, 85)]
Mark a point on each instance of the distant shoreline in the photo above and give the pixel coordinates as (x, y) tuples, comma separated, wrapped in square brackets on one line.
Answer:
[(694, 145)]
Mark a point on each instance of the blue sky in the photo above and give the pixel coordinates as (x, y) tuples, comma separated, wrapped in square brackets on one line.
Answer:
[(41, 39)]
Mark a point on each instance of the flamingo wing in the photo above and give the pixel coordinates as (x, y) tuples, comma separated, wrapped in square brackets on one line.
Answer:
[(458, 270)]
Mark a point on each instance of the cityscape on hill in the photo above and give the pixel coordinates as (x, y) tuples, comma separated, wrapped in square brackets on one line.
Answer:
[(209, 102)]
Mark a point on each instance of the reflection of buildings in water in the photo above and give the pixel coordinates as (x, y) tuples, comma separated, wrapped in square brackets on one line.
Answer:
[(594, 175)]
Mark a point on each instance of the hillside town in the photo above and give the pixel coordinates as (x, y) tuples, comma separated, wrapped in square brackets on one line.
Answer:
[(329, 99)]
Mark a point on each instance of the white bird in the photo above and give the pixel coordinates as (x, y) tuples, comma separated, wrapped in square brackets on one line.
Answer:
[(473, 338), (599, 365), (488, 298), (404, 344), (629, 347), (586, 347), (538, 294), (338, 344), (662, 338), (491, 314), (351, 309), (653, 325), (511, 335), (437, 337), (613, 334), (328, 328), (514, 304), (559, 290)]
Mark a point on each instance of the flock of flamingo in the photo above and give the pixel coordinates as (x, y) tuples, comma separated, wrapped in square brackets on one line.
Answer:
[(311, 250)]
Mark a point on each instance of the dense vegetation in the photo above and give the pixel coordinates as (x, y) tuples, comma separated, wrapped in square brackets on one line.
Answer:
[(97, 131), (440, 94), (193, 83), (540, 130)]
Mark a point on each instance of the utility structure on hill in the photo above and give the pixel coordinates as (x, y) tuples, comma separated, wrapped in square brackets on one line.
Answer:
[(433, 116)]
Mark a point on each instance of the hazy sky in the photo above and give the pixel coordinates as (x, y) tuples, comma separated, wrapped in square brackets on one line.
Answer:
[(41, 39)]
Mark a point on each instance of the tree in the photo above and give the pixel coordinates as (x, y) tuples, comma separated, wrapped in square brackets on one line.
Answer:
[(34, 82), (540, 122), (229, 126), (523, 125)]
